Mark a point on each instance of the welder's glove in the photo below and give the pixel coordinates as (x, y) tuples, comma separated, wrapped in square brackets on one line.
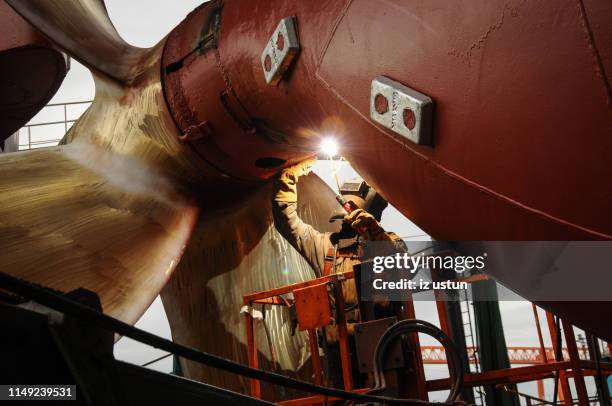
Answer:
[(287, 182), (366, 225)]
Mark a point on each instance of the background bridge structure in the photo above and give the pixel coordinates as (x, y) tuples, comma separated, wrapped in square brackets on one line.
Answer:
[(433, 354)]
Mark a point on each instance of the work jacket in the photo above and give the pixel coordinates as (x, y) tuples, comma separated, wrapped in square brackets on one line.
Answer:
[(318, 250)]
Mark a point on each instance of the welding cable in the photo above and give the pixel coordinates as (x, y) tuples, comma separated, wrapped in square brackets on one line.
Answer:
[(153, 361), (86, 314), (404, 327), (11, 299)]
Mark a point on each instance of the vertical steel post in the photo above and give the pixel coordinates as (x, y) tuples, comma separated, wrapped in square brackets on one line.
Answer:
[(539, 329), (565, 394), (542, 348), (418, 388), (314, 355), (441, 307), (252, 353), (345, 354), (572, 349), (540, 389)]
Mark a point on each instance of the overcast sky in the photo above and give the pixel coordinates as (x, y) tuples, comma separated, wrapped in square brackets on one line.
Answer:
[(143, 23)]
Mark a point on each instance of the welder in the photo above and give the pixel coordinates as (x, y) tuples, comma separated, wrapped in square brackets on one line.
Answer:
[(338, 251)]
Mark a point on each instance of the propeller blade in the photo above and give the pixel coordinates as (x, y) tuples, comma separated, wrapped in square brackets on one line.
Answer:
[(110, 211), (69, 221), (233, 252), (84, 30)]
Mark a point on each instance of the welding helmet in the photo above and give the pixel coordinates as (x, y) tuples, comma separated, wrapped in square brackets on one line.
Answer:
[(364, 196)]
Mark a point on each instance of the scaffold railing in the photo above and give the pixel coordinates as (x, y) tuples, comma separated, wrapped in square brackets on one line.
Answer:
[(48, 132)]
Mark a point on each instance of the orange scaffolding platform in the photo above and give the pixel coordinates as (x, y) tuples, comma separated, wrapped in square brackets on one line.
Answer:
[(540, 362)]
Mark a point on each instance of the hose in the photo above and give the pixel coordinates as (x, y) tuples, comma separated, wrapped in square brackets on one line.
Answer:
[(404, 327), (86, 314)]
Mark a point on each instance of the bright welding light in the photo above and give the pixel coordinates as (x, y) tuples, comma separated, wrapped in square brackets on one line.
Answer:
[(329, 147)]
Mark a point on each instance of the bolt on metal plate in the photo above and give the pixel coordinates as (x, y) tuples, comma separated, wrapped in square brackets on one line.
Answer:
[(402, 110), (280, 51)]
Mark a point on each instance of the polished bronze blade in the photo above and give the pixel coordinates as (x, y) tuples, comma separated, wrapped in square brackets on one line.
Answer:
[(111, 211), (74, 217), (84, 30), (233, 252)]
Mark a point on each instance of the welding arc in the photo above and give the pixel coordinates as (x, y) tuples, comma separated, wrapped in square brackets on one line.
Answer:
[(84, 313), (404, 327)]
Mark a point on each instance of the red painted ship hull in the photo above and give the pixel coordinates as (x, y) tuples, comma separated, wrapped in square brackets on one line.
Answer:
[(31, 71), (523, 113), (522, 121)]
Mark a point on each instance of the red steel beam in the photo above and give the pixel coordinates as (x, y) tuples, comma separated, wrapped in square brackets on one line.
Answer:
[(508, 375), (570, 339)]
